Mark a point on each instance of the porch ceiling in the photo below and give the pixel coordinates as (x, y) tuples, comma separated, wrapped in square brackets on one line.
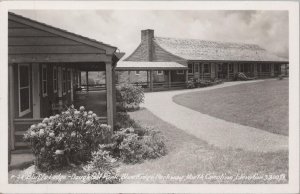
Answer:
[(91, 66), (146, 65)]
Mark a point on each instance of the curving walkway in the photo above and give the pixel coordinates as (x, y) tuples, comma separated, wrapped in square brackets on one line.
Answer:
[(214, 131)]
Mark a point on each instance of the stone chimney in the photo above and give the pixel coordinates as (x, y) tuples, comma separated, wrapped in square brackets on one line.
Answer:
[(147, 44)]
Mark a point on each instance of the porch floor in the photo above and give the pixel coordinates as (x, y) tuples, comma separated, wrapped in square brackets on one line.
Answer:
[(92, 100)]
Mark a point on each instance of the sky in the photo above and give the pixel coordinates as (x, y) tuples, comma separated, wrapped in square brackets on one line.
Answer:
[(122, 28)]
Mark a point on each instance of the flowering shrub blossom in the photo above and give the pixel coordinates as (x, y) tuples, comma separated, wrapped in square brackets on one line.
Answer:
[(129, 96), (101, 168), (133, 146), (67, 138)]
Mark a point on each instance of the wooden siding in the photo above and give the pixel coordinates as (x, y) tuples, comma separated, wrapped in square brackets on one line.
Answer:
[(37, 41), (51, 49), (29, 44)]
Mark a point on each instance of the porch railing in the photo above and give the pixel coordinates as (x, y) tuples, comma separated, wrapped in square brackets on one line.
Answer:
[(159, 86), (93, 87)]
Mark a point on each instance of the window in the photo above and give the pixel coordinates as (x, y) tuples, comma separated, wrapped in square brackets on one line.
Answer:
[(180, 72), (190, 66), (265, 67), (64, 81), (160, 72), (219, 67), (44, 81), (276, 67), (230, 67), (69, 80), (206, 68), (24, 89), (196, 67), (55, 79), (137, 72)]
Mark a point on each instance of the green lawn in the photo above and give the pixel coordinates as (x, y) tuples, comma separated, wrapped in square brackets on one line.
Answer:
[(187, 158), (262, 105), (188, 155)]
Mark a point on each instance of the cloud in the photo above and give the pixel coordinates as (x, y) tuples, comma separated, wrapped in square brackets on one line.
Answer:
[(121, 28)]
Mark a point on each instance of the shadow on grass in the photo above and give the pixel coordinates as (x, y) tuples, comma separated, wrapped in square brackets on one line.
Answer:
[(191, 160)]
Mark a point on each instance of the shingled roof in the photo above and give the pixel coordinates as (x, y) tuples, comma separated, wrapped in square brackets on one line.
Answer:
[(146, 65), (194, 49)]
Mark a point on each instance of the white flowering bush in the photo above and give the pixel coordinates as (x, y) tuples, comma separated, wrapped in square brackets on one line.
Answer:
[(67, 138), (129, 97), (101, 169), (135, 145)]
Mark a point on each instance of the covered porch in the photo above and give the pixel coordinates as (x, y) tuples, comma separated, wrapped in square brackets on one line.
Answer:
[(153, 76), (226, 70)]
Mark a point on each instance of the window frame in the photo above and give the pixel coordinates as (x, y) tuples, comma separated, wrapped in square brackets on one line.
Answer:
[(24, 112), (208, 69), (162, 72), (230, 67), (178, 72), (44, 94), (196, 65), (55, 80), (191, 70)]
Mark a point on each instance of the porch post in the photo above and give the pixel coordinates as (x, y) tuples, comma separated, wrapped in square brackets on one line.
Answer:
[(59, 87), (79, 79), (272, 69), (147, 78), (87, 80), (212, 70), (285, 69), (186, 75), (228, 71), (235, 68), (169, 79), (11, 108), (255, 69), (110, 93), (151, 80), (72, 88), (202, 67), (36, 91)]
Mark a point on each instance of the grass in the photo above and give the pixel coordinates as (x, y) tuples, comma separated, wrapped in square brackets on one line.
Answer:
[(262, 105), (189, 160), (188, 155)]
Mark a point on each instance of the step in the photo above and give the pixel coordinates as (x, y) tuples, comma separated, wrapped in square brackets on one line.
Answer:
[(22, 121), (21, 145), (21, 151)]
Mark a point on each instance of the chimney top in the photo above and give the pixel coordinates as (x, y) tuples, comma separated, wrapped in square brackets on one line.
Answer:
[(147, 34)]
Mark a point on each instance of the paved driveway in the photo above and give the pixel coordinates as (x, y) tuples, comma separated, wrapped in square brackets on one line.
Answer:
[(214, 131)]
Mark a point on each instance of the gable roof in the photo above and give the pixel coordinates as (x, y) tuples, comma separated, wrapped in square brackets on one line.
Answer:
[(194, 49), (110, 50)]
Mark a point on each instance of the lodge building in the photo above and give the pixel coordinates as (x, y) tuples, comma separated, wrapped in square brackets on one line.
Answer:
[(44, 65), (170, 61)]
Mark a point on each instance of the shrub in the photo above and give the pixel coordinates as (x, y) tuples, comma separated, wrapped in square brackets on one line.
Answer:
[(66, 138), (101, 169), (129, 96), (123, 120), (132, 147), (190, 84)]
